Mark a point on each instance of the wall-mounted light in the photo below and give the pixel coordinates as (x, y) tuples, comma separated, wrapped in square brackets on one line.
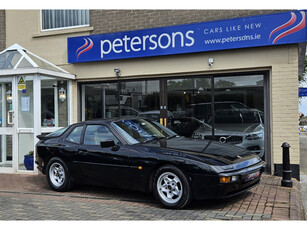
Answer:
[(117, 72), (211, 60), (62, 94), (9, 96)]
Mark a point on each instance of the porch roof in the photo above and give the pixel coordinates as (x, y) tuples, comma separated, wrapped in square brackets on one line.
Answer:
[(17, 60)]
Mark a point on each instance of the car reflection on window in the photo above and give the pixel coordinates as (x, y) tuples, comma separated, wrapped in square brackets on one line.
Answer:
[(243, 128)]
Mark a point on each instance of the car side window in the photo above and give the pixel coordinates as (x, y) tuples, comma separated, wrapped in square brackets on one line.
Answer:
[(94, 134), (75, 135)]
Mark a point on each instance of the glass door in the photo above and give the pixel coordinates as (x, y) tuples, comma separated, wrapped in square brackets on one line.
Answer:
[(17, 126), (25, 123), (6, 125)]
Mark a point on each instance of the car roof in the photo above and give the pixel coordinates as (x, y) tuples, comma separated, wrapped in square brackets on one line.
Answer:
[(105, 120)]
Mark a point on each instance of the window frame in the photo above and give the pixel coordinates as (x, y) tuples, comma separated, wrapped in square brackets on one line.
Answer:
[(61, 28), (81, 136), (110, 130), (49, 129)]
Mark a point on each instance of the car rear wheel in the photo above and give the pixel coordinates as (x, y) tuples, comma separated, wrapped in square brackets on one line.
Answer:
[(58, 175), (171, 187)]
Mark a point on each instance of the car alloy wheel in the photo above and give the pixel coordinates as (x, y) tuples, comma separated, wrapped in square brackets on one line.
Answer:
[(169, 187), (57, 174)]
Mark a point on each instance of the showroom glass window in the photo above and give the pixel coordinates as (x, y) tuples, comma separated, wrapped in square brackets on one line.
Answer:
[(58, 19), (54, 111), (238, 116), (109, 100), (239, 111), (140, 98), (99, 101), (189, 103)]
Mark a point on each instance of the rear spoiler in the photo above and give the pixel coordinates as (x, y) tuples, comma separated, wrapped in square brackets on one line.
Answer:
[(45, 137), (42, 137)]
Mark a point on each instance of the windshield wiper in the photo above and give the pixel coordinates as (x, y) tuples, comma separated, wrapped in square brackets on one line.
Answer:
[(153, 139), (159, 138)]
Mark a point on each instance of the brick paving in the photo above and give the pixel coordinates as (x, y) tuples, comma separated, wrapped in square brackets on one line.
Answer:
[(28, 197)]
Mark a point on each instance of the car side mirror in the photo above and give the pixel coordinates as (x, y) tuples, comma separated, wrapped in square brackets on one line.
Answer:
[(107, 143)]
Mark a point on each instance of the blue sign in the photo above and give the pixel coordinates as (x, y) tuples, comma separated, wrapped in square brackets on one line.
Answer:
[(264, 30), (302, 92)]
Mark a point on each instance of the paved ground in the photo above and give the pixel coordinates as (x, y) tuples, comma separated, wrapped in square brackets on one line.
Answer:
[(304, 192), (303, 153), (28, 197), (303, 169)]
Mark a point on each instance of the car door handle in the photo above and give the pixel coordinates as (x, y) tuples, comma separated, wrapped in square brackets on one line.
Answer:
[(83, 152)]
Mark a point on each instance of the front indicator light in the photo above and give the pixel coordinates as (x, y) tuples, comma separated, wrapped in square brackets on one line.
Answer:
[(228, 179), (225, 179)]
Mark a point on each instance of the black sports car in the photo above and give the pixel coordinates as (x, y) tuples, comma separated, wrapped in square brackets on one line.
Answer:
[(143, 155)]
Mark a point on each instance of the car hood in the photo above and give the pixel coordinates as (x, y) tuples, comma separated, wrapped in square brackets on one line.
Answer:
[(210, 152)]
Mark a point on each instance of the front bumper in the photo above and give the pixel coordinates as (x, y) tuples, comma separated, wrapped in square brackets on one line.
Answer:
[(209, 186)]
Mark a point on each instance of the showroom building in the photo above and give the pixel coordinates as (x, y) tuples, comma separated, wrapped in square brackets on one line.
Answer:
[(226, 75)]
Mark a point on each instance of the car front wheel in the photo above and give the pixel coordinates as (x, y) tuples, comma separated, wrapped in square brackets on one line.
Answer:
[(58, 175), (171, 187)]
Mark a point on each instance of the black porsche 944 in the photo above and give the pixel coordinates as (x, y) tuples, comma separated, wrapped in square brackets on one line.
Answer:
[(139, 154)]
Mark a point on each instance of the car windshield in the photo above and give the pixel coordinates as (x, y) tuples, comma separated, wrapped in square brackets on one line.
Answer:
[(141, 130)]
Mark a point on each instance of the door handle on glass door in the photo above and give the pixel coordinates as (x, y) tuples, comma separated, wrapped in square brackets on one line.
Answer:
[(10, 115)]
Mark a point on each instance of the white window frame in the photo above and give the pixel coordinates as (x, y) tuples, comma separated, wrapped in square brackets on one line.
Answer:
[(49, 129), (60, 28)]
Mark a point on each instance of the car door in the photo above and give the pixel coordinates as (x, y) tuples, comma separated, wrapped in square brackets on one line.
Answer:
[(69, 147), (103, 165)]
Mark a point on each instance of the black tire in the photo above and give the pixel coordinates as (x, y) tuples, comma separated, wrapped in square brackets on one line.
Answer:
[(171, 187), (58, 176)]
